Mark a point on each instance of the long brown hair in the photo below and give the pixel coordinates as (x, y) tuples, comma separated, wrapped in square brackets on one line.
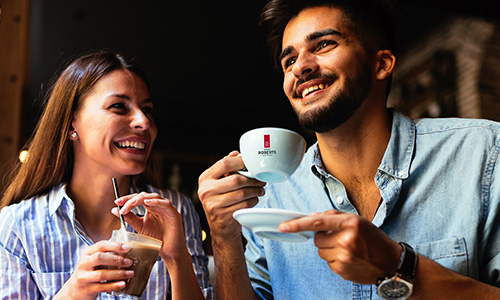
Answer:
[(50, 156)]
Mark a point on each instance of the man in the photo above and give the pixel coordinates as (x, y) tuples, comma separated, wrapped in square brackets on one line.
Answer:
[(375, 177)]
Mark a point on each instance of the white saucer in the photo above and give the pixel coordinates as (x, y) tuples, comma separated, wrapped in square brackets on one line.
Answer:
[(264, 222)]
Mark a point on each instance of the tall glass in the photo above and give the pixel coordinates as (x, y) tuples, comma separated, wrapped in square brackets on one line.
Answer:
[(144, 253)]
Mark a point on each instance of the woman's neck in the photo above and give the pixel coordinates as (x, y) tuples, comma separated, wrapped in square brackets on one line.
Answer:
[(94, 198)]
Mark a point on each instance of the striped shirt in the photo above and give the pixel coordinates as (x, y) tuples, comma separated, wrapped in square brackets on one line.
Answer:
[(41, 242)]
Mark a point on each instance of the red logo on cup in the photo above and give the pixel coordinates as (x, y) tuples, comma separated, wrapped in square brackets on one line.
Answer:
[(267, 141)]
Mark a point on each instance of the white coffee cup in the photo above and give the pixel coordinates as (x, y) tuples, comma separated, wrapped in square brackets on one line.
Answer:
[(271, 154)]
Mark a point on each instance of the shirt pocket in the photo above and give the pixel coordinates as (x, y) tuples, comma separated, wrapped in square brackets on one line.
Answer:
[(50, 283), (450, 253)]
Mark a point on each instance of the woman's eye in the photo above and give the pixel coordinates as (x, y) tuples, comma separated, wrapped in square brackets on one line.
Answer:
[(148, 110), (118, 105)]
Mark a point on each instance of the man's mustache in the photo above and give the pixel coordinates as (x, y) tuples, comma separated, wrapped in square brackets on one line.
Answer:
[(331, 77)]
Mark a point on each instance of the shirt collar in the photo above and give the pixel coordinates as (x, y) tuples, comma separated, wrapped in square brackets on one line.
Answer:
[(58, 197), (318, 168), (397, 158)]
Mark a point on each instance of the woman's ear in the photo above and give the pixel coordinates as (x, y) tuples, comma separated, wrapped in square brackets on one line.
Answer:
[(385, 62)]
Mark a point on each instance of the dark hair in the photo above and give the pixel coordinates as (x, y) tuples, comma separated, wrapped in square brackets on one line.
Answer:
[(50, 159), (372, 20)]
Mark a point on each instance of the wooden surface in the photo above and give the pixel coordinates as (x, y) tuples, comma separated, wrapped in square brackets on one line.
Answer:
[(14, 26)]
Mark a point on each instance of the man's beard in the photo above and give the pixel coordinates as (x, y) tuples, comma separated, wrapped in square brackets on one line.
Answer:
[(341, 107)]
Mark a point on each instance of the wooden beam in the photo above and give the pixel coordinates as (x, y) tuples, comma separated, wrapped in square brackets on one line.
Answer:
[(14, 29)]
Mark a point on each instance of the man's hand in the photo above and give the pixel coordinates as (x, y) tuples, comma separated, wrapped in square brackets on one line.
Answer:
[(352, 246), (222, 192)]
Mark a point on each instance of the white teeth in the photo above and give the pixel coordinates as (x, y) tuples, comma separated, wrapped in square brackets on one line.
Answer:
[(311, 89), (132, 144)]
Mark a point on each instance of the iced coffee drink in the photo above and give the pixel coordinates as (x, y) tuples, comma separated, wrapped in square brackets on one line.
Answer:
[(144, 253)]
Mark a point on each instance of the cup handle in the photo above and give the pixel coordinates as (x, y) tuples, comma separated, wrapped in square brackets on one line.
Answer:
[(245, 173)]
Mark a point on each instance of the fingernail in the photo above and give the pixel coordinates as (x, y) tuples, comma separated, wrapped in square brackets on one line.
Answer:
[(129, 273), (284, 228), (127, 261), (126, 247)]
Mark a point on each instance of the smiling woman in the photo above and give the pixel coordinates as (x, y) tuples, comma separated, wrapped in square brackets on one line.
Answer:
[(115, 126), (97, 125), (50, 143)]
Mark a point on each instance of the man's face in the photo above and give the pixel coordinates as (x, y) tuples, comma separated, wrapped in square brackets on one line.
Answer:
[(327, 73)]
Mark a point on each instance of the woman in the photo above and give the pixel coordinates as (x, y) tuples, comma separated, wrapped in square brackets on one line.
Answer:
[(97, 125)]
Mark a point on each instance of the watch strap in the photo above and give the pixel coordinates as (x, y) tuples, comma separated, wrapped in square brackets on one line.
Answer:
[(408, 263)]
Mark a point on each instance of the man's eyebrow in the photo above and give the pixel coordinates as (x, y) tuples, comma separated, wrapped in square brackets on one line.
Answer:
[(311, 37), (319, 34), (286, 52)]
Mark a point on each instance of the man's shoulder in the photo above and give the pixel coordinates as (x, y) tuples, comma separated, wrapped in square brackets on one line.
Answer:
[(436, 125)]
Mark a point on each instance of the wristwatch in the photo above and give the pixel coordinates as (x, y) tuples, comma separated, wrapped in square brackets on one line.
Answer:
[(400, 285)]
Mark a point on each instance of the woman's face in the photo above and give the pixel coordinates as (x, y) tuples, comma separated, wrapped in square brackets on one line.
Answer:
[(115, 128)]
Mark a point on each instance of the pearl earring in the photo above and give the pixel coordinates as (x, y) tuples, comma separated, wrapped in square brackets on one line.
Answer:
[(73, 135)]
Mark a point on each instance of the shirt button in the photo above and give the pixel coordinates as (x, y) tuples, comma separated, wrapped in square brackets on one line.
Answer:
[(340, 200)]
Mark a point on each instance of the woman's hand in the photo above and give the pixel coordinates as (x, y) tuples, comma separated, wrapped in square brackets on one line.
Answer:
[(93, 275), (161, 221)]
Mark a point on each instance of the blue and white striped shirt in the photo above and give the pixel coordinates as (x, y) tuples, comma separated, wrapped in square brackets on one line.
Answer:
[(41, 242)]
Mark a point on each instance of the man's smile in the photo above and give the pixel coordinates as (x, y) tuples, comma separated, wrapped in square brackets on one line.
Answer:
[(311, 86)]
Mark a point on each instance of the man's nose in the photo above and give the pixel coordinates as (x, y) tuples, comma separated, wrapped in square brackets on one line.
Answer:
[(305, 64)]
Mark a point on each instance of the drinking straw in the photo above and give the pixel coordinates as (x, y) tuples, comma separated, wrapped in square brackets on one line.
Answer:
[(117, 195)]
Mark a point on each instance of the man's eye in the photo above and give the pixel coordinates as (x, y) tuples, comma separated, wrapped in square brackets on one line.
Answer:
[(324, 44), (289, 62)]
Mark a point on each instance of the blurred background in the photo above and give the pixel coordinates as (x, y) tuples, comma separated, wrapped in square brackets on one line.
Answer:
[(212, 77)]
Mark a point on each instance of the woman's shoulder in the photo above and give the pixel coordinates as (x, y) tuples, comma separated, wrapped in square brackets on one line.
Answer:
[(25, 209), (18, 217), (34, 209)]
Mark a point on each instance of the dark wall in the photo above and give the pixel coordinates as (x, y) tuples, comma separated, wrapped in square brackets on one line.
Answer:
[(211, 75)]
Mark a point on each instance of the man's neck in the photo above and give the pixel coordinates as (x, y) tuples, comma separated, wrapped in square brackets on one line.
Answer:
[(353, 152)]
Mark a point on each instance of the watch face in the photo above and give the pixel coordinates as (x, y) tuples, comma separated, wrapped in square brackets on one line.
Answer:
[(394, 289)]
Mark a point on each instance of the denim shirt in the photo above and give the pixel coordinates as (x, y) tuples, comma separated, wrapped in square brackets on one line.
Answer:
[(440, 189)]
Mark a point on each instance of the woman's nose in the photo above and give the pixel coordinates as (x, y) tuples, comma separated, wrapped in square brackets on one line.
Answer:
[(140, 120)]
